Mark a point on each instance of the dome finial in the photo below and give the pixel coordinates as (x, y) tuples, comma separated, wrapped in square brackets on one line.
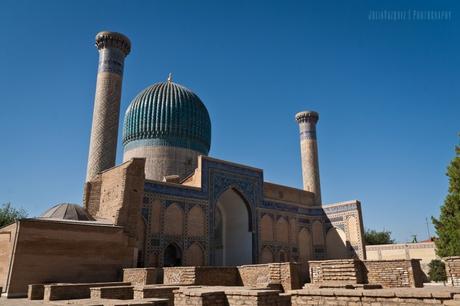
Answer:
[(170, 77)]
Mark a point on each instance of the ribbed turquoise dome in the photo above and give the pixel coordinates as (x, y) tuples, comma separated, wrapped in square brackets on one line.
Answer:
[(167, 114)]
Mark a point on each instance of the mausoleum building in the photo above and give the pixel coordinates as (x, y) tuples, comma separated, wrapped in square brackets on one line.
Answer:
[(169, 203)]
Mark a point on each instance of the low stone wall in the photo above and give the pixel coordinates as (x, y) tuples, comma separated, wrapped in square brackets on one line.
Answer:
[(256, 298), (288, 275), (394, 273), (156, 291), (114, 292), (229, 297), (336, 270), (55, 292), (206, 276), (186, 298), (388, 273), (143, 276), (254, 275), (387, 297), (36, 291), (453, 270)]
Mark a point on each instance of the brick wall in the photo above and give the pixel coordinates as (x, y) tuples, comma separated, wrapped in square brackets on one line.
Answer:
[(116, 195), (453, 270), (388, 297), (388, 273), (7, 235), (200, 298), (288, 275), (142, 276), (71, 252), (254, 275), (394, 273), (229, 297), (340, 270), (209, 276)]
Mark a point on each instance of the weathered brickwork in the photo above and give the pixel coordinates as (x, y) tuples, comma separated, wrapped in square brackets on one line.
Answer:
[(54, 292), (387, 273), (155, 291), (142, 276), (227, 296), (387, 297), (216, 298), (453, 270), (394, 273), (209, 276), (112, 292), (340, 271)]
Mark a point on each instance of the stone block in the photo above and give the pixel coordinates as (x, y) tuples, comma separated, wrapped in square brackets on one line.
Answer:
[(142, 276), (54, 292), (35, 291), (112, 292), (156, 291)]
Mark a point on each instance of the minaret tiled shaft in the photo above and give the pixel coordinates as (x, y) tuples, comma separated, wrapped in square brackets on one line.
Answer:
[(113, 48), (309, 151)]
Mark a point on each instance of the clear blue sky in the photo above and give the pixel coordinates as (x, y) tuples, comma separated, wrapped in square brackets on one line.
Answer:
[(387, 92)]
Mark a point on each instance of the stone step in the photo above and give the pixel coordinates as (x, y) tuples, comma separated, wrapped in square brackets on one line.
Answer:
[(150, 302), (53, 292), (156, 291), (113, 292)]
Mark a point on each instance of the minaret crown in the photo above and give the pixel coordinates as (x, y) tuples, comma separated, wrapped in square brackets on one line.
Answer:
[(113, 40), (307, 116)]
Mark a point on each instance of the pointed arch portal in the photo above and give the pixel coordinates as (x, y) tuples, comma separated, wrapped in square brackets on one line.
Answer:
[(233, 230)]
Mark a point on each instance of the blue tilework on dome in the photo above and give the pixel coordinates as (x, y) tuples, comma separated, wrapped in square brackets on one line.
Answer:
[(167, 114)]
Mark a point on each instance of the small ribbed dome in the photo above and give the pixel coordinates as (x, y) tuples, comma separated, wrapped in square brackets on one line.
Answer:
[(168, 114), (67, 211)]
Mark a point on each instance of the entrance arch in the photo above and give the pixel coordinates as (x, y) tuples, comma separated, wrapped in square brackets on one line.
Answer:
[(233, 230), (172, 256)]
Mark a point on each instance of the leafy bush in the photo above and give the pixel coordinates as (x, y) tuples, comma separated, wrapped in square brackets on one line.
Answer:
[(9, 214), (373, 237), (437, 271)]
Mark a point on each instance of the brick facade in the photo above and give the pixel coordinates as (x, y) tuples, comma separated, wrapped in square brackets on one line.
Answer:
[(453, 270)]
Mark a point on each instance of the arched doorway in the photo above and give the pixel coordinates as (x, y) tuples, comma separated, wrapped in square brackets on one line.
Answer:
[(233, 230), (172, 256)]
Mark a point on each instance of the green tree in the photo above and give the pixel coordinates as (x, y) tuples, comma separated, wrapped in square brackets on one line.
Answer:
[(437, 272), (373, 237), (448, 225), (9, 214)]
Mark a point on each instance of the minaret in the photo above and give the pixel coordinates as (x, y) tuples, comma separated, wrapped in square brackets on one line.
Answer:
[(113, 48), (309, 151)]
